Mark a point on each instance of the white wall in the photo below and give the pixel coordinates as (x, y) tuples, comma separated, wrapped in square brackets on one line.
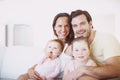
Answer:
[(39, 15), (2, 52)]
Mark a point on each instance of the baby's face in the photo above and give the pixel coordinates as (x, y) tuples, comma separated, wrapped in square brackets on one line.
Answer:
[(53, 49), (81, 50)]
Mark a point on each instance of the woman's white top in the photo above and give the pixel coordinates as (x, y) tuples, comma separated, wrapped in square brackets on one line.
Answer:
[(64, 60)]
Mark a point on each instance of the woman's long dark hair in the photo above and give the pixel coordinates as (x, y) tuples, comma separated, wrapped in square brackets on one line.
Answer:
[(70, 36)]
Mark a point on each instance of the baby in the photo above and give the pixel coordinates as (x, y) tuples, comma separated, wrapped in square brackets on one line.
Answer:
[(49, 66), (81, 56)]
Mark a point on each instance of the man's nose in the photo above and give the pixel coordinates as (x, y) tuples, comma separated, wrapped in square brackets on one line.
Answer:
[(79, 28)]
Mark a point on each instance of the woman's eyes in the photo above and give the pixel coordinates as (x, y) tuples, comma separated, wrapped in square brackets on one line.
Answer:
[(59, 25), (62, 25)]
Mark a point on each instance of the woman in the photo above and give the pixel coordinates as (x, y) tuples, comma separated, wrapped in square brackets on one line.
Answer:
[(63, 31)]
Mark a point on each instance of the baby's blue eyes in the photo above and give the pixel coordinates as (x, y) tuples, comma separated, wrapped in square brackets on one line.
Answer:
[(76, 50), (53, 47), (84, 49), (49, 47)]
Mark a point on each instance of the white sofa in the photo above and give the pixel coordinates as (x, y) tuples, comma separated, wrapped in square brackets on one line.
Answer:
[(16, 60)]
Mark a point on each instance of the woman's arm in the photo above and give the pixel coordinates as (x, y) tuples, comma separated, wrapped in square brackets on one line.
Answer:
[(32, 73)]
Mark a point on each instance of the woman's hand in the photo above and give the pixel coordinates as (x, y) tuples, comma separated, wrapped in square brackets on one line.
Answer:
[(36, 76), (33, 74)]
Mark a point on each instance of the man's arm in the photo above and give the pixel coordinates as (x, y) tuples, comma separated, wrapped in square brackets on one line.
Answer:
[(111, 69)]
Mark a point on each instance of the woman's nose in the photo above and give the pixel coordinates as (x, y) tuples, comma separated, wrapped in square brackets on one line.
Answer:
[(63, 28)]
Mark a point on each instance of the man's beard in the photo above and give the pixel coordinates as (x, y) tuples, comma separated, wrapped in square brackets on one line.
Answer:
[(87, 36)]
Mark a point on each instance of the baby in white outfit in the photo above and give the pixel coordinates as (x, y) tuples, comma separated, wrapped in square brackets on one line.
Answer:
[(49, 66)]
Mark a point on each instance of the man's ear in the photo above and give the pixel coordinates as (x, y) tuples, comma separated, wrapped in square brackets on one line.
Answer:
[(91, 25)]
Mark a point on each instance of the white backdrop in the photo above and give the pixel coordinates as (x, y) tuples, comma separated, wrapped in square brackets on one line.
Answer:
[(39, 15)]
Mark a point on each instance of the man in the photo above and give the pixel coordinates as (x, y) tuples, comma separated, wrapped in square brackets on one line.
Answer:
[(105, 50)]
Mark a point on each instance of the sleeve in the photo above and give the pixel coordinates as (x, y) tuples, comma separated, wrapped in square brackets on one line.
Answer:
[(111, 47), (42, 60), (56, 70)]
